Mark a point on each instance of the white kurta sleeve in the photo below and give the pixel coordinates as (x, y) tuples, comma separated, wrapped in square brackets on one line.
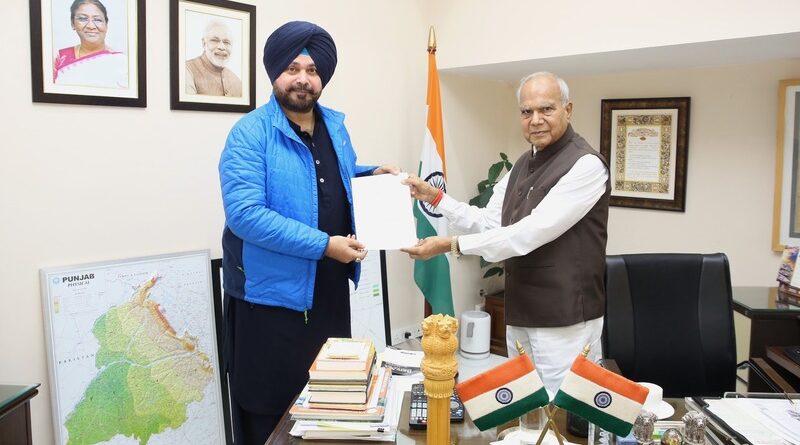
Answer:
[(470, 219), (565, 204)]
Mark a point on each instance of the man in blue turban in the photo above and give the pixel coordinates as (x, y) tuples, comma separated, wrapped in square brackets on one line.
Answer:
[(285, 175)]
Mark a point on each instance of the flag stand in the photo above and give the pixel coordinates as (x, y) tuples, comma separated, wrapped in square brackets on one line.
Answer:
[(550, 410)]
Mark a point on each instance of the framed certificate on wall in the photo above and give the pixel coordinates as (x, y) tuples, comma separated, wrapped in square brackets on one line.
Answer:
[(645, 142)]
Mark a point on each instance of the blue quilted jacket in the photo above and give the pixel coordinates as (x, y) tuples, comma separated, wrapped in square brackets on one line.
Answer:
[(269, 193)]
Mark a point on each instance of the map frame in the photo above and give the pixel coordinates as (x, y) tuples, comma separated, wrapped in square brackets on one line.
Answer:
[(211, 317)]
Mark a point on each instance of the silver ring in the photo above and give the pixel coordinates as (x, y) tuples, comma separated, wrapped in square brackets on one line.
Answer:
[(357, 260)]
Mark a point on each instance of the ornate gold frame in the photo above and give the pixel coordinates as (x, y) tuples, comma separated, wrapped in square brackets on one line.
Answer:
[(642, 113)]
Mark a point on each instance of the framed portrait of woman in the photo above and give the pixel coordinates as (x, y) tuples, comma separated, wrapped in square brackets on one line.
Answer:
[(88, 52), (212, 58)]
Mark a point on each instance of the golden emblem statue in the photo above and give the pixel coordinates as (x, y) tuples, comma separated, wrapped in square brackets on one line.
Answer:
[(439, 366)]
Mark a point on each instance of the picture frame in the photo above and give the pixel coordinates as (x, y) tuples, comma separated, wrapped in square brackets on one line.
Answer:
[(786, 209), (94, 55), (218, 293), (645, 142), (212, 55)]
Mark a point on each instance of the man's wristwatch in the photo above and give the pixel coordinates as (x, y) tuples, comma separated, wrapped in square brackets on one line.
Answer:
[(454, 250)]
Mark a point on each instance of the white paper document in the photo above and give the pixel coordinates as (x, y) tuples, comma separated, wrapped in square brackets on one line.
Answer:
[(401, 361), (383, 212), (761, 421)]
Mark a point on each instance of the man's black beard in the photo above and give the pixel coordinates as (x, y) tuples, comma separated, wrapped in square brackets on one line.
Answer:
[(296, 106)]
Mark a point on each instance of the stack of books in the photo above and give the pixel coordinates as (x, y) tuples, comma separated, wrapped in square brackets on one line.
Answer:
[(788, 280), (344, 384)]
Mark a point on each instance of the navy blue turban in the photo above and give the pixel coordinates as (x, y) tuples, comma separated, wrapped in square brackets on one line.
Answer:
[(288, 41)]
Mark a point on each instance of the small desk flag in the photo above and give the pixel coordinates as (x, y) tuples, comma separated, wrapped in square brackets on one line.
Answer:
[(600, 396), (502, 393)]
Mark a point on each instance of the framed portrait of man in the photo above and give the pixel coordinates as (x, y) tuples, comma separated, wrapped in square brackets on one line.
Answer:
[(88, 52), (212, 59)]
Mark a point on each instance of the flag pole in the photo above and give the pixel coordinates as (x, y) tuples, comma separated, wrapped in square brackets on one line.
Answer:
[(432, 276), (551, 409), (428, 309), (550, 423)]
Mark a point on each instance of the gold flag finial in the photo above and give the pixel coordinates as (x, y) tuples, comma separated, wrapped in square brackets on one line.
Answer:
[(586, 349), (520, 349), (431, 40)]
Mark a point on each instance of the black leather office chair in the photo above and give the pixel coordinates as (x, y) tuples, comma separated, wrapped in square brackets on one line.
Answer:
[(669, 321)]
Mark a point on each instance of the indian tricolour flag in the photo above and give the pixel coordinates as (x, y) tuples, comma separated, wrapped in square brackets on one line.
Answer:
[(600, 396), (503, 393), (433, 276)]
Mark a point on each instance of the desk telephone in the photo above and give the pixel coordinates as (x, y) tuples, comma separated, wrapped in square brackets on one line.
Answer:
[(418, 408)]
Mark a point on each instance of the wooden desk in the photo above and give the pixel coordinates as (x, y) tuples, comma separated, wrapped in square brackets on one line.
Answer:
[(776, 354), (461, 433), (464, 433), (15, 413), (496, 307), (761, 323)]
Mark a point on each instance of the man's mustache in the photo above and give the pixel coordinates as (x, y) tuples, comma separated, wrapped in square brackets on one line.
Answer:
[(302, 88)]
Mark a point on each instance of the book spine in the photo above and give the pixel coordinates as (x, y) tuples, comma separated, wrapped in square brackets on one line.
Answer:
[(788, 265), (362, 375), (386, 375), (786, 289), (793, 300), (358, 407), (325, 362)]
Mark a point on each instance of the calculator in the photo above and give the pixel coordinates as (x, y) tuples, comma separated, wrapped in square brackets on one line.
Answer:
[(418, 409)]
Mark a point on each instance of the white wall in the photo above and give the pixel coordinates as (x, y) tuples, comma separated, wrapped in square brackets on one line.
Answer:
[(479, 121), (84, 183), (513, 30), (81, 184), (731, 158), (731, 163)]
